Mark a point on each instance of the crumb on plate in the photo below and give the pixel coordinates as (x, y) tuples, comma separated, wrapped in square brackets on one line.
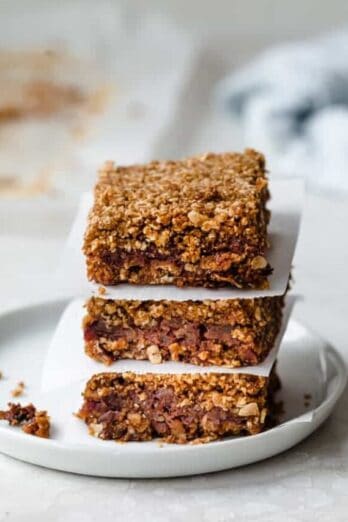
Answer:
[(18, 390), (31, 420)]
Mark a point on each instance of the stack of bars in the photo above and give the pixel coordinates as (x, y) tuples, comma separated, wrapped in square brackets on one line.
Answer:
[(200, 222)]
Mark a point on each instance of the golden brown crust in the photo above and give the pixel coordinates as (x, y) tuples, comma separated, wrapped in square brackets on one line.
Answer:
[(234, 332), (195, 222), (176, 408)]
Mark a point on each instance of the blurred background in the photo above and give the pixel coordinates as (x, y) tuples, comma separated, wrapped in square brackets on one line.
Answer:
[(82, 82)]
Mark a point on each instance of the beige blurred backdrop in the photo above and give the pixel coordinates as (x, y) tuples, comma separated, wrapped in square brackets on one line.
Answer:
[(237, 29), (229, 33)]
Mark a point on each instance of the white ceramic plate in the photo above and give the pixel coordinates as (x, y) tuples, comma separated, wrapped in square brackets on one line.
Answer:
[(306, 365)]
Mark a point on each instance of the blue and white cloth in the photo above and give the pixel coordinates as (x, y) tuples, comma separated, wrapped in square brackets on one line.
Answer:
[(292, 102)]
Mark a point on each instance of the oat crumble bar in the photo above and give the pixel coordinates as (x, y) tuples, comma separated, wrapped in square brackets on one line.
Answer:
[(196, 222), (233, 332), (177, 408)]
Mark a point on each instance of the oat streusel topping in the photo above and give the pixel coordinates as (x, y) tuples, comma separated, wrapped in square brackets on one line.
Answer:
[(254, 312)]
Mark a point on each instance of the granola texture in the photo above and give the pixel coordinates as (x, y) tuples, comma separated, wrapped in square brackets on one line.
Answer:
[(176, 408), (31, 421), (196, 222), (233, 332)]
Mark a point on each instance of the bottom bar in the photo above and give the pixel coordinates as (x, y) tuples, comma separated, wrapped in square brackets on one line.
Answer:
[(177, 408)]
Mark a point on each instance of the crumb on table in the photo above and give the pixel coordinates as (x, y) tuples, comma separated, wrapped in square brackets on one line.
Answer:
[(31, 420)]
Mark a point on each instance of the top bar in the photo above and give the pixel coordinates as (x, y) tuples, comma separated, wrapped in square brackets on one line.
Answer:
[(196, 222)]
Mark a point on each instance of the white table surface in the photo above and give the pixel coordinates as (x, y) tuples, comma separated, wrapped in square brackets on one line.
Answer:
[(310, 481)]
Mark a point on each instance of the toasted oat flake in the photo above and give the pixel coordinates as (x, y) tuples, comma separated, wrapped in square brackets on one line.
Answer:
[(18, 390), (154, 354)]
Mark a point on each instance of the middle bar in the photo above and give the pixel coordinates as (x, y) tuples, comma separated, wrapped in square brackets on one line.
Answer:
[(230, 332)]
